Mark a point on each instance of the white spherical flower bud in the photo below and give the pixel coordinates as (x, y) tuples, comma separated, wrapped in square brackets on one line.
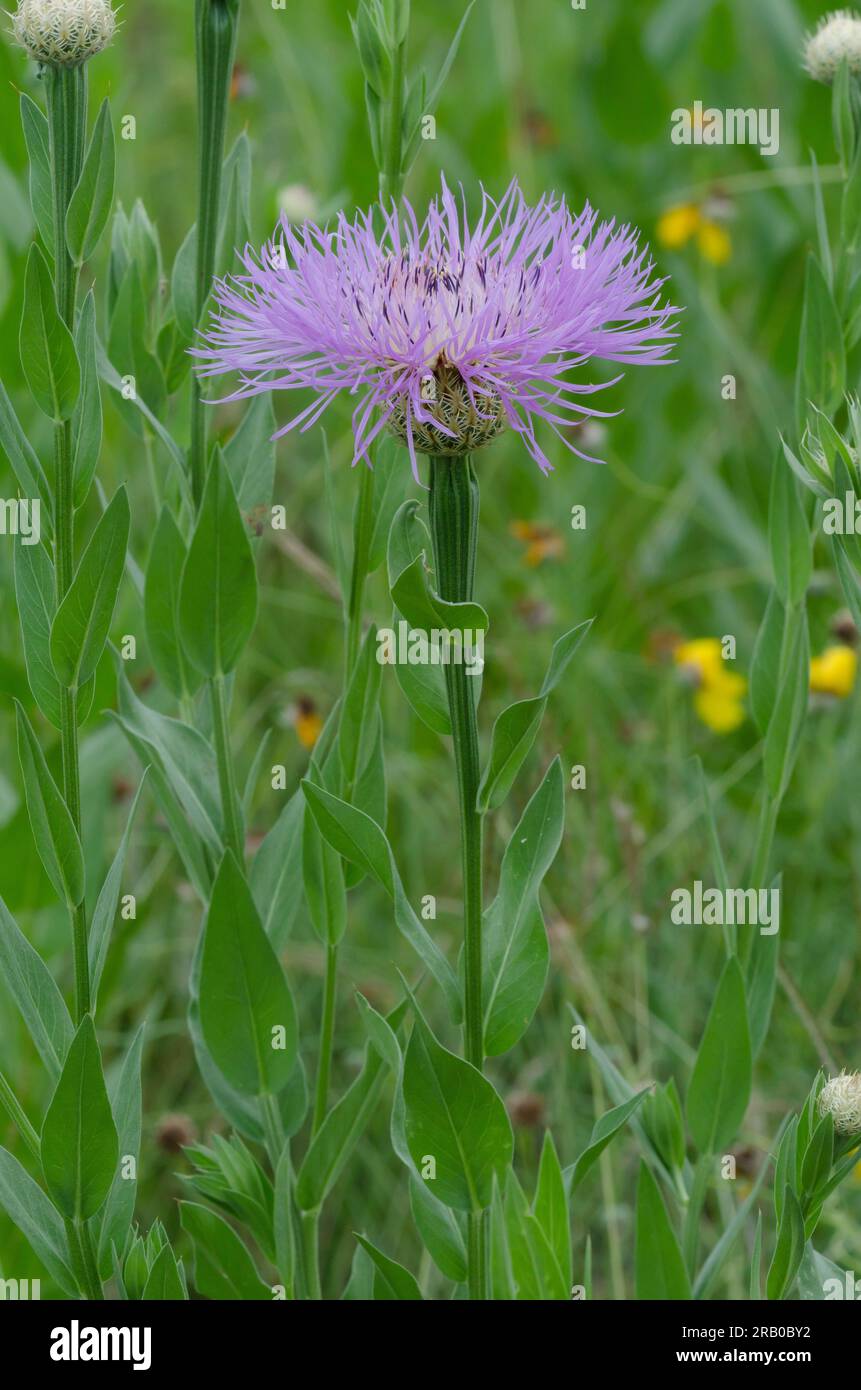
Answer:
[(63, 32), (838, 37), (841, 1099)]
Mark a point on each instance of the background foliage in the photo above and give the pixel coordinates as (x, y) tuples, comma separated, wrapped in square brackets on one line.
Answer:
[(675, 544)]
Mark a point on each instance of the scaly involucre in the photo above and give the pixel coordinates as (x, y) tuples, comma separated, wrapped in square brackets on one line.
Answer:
[(64, 32), (447, 333)]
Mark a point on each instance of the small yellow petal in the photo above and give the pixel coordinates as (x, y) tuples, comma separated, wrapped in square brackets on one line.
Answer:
[(703, 655), (728, 684), (308, 728), (718, 711), (677, 225), (834, 672), (714, 243)]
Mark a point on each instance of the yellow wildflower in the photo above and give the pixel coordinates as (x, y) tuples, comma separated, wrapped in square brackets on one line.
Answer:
[(714, 242), (307, 722), (677, 226), (833, 673), (719, 697), (542, 542)]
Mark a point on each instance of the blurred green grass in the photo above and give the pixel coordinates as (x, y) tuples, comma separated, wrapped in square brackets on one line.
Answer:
[(579, 102)]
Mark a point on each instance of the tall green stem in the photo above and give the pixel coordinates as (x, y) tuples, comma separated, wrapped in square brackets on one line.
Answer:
[(327, 1030), (454, 529), (66, 94), (362, 533), (67, 123), (216, 27), (311, 1254), (233, 836)]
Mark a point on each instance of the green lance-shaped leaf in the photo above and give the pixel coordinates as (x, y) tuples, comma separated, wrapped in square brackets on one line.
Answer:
[(249, 457), (235, 229), (161, 607), (83, 620), (360, 840), (37, 1219), (660, 1268), (223, 1268), (604, 1131), (53, 829), (664, 1124), (47, 348), (390, 477), (126, 1101), (453, 1115), (516, 954), (821, 375), (90, 204), (181, 753), (35, 597), (164, 1281), (37, 137), (788, 536), (218, 594), (536, 1271), (373, 49), (246, 1008), (391, 1280), (440, 1229), (423, 685), (323, 881), (409, 585), (23, 460), (87, 420), (332, 1145), (765, 666), (423, 608), (358, 722), (515, 730), (719, 1089), (79, 1137), (276, 873), (32, 987), (787, 720), (550, 1207), (183, 285), (105, 910), (789, 1250)]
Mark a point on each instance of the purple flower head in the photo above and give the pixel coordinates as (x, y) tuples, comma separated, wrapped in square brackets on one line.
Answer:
[(446, 334)]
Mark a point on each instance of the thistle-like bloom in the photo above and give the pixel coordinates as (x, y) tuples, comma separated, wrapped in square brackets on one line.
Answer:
[(840, 1097), (837, 37), (448, 334), (63, 32)]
